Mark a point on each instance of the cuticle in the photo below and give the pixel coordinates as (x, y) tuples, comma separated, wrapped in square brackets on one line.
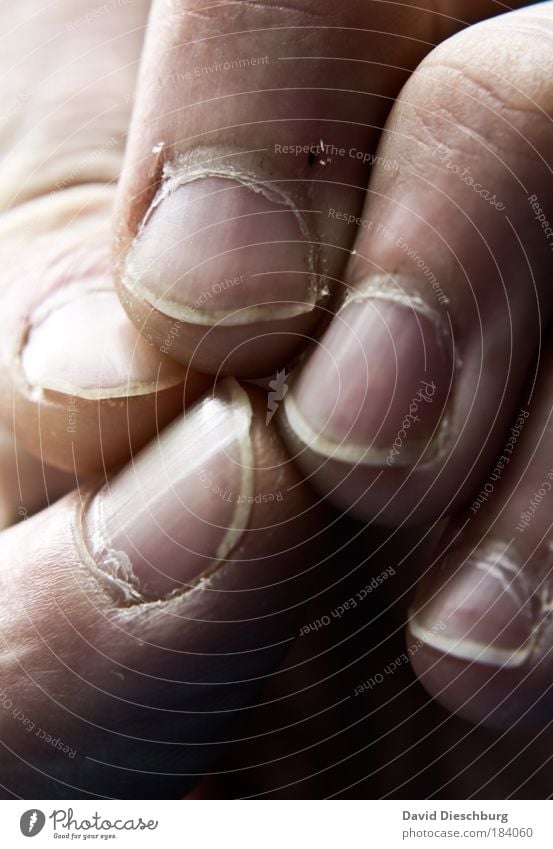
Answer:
[(178, 172), (127, 594)]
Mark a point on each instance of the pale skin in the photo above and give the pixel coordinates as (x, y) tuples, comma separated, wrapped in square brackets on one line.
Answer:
[(357, 195)]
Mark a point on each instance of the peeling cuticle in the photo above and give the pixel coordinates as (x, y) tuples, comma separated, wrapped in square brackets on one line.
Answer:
[(156, 531), (186, 170), (387, 287)]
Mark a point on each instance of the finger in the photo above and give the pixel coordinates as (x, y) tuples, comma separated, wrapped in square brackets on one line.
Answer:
[(78, 385), (246, 130), (323, 726), (401, 406), (491, 658), (67, 78), (167, 598), (307, 739)]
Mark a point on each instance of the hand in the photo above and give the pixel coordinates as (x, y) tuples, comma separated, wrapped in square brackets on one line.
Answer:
[(420, 388), (173, 558)]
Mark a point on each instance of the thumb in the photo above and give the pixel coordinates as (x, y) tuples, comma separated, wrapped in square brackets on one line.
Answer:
[(138, 620)]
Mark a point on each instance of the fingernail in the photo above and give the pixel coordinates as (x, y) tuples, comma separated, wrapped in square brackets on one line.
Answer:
[(374, 389), (481, 611), (175, 512), (222, 249), (81, 342)]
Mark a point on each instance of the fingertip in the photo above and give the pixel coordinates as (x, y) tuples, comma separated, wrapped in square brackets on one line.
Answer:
[(478, 640), (494, 697), (215, 490), (80, 387), (243, 350)]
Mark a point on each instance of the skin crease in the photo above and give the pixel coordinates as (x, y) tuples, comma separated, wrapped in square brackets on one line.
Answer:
[(282, 750)]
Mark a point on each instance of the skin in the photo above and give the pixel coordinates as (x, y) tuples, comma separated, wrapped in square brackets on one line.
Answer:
[(59, 195), (331, 560)]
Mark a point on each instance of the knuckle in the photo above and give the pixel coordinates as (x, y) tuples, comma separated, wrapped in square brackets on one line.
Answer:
[(484, 90)]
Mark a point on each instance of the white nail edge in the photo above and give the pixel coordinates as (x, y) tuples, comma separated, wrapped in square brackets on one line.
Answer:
[(122, 391), (470, 649), (363, 455), (495, 560), (243, 416), (379, 288)]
